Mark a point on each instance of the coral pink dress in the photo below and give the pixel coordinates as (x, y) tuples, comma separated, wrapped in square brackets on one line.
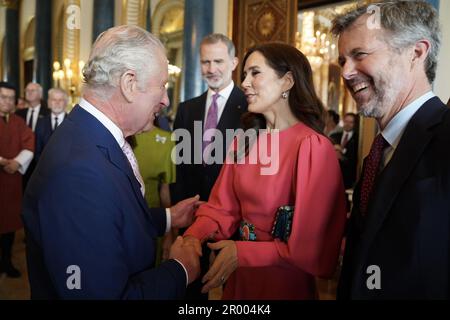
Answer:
[(308, 178)]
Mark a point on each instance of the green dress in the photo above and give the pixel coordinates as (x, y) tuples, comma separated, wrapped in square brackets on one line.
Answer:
[(153, 150)]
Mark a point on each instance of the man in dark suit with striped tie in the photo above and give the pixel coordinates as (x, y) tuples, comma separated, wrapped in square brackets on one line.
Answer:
[(57, 102)]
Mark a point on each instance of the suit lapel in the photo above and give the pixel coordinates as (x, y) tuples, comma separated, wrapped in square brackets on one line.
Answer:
[(412, 145), (230, 113), (118, 158), (198, 109), (109, 147)]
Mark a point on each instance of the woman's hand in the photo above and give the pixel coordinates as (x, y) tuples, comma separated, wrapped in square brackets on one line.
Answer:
[(224, 264)]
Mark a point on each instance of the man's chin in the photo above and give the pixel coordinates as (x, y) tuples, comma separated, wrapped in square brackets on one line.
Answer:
[(214, 85)]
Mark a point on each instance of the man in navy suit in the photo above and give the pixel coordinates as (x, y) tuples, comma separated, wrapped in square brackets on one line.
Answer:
[(218, 60), (57, 102), (90, 234), (398, 243)]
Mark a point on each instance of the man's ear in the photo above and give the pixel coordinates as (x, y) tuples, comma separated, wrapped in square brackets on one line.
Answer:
[(128, 85), (289, 81), (421, 50), (235, 63)]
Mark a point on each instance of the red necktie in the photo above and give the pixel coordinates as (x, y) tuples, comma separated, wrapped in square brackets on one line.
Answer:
[(344, 140), (370, 171)]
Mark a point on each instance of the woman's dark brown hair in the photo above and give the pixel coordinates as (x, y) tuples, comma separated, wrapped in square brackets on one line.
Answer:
[(303, 100)]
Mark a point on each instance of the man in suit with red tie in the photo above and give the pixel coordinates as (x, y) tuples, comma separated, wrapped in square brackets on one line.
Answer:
[(220, 107), (346, 145), (398, 235), (57, 102)]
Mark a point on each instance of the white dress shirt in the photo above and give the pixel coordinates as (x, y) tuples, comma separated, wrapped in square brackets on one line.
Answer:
[(224, 94), (24, 159), (35, 115), (396, 127), (59, 116)]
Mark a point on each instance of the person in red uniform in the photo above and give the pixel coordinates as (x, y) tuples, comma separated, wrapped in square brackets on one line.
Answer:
[(16, 153)]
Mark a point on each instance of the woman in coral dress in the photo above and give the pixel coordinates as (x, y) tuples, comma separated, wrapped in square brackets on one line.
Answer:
[(277, 81)]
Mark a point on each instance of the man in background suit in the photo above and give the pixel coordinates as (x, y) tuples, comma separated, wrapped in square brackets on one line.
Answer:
[(398, 235), (224, 103), (346, 145), (31, 115), (90, 234), (57, 102)]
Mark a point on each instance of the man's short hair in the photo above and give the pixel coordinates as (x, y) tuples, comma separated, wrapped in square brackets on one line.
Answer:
[(218, 37), (407, 22), (334, 116), (351, 114), (40, 90), (117, 50), (7, 85), (58, 90)]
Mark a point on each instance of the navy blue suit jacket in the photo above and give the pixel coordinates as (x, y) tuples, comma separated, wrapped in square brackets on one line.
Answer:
[(83, 207), (43, 133), (405, 232), (199, 179)]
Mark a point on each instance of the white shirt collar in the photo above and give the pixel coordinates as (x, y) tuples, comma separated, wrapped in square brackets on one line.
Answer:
[(59, 116), (224, 93), (100, 116), (35, 108), (395, 128)]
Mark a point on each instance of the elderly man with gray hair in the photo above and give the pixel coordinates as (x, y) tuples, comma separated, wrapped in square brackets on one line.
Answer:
[(90, 234), (398, 235), (57, 103)]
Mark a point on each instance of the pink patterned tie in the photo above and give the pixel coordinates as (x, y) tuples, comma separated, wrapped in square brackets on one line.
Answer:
[(211, 122), (370, 171), (128, 151)]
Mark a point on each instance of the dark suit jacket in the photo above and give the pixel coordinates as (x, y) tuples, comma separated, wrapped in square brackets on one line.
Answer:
[(83, 207), (350, 159), (406, 229), (199, 179), (43, 133), (43, 112)]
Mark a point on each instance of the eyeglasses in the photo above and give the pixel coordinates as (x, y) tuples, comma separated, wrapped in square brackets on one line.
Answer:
[(9, 98)]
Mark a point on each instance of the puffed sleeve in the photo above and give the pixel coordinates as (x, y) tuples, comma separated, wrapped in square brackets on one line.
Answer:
[(319, 216), (220, 216)]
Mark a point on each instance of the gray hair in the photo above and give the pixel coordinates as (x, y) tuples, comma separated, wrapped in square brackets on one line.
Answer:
[(407, 22), (52, 91), (117, 50), (39, 87), (218, 37)]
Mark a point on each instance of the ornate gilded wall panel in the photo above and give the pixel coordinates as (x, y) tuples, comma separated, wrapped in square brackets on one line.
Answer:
[(134, 12), (259, 21)]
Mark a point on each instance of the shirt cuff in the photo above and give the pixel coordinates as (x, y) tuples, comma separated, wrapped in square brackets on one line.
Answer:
[(185, 271), (24, 159), (168, 220)]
